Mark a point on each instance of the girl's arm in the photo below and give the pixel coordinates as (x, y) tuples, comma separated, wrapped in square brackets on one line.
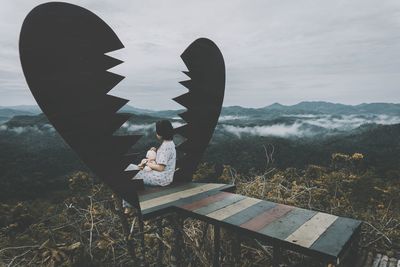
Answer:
[(155, 166)]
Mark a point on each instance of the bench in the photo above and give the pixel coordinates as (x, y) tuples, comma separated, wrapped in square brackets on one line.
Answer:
[(323, 236)]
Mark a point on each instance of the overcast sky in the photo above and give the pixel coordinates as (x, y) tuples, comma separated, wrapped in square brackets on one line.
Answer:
[(275, 50)]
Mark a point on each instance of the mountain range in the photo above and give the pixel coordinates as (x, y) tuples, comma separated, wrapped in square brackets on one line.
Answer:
[(306, 107)]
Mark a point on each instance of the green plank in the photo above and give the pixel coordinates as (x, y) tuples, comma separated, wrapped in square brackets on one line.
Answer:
[(287, 224), (249, 213), (233, 198), (336, 236), (168, 190)]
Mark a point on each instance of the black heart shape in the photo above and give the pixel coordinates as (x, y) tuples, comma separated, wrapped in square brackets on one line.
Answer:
[(203, 102), (62, 50)]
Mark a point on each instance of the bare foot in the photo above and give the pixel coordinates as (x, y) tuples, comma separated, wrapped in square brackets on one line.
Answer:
[(127, 211)]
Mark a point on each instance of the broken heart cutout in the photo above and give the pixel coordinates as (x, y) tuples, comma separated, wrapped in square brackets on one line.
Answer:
[(63, 51)]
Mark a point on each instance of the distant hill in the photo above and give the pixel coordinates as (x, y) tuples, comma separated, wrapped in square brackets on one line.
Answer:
[(34, 158), (267, 112), (34, 109), (7, 113)]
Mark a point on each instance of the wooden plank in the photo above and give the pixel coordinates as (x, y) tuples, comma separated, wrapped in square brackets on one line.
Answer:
[(311, 230), (183, 201), (266, 217), (228, 200), (249, 213), (336, 236), (166, 191), (204, 201), (287, 224), (230, 210), (177, 195)]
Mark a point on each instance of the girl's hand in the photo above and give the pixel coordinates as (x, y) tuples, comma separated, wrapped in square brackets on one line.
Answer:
[(155, 166)]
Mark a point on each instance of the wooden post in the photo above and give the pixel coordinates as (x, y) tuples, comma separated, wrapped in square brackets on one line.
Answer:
[(118, 209), (177, 240), (160, 252), (216, 246), (276, 256), (236, 252), (141, 234)]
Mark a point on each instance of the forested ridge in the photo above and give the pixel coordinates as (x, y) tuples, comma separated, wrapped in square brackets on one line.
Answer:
[(54, 212)]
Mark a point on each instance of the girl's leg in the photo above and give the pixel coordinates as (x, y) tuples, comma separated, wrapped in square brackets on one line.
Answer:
[(148, 177)]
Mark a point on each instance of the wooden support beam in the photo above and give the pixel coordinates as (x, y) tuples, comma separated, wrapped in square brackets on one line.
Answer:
[(217, 252), (276, 256), (177, 240), (141, 235), (160, 251), (118, 209), (234, 253)]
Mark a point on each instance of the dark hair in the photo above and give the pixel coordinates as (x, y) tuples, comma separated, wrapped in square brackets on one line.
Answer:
[(164, 129)]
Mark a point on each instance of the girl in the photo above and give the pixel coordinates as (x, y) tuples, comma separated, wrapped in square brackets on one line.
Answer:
[(162, 170)]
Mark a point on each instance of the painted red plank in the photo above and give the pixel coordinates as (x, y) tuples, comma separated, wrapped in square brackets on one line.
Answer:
[(267, 217), (205, 201)]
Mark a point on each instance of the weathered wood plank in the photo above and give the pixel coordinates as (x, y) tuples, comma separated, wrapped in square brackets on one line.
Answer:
[(287, 224), (228, 200), (336, 236), (230, 210), (177, 195), (204, 201), (162, 191), (266, 217), (311, 230), (249, 213), (182, 201)]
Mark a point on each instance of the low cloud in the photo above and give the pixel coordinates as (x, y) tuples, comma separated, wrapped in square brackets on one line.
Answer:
[(279, 130), (231, 117), (145, 128), (304, 125), (47, 128), (349, 122)]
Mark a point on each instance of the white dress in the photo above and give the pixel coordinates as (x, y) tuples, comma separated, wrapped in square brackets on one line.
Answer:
[(166, 155)]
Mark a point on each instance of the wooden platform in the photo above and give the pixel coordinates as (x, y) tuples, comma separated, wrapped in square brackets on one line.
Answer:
[(312, 233)]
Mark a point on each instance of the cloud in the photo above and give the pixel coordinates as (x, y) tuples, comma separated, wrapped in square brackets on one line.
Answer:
[(275, 51), (138, 128), (146, 128), (231, 117), (349, 122), (45, 129), (279, 130), (301, 127)]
